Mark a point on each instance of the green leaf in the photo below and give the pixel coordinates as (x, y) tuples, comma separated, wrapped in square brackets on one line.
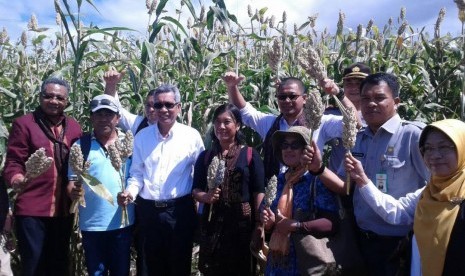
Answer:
[(175, 22), (97, 187), (160, 7), (7, 92), (210, 19)]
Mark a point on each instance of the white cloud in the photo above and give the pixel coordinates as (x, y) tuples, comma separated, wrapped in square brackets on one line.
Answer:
[(14, 14)]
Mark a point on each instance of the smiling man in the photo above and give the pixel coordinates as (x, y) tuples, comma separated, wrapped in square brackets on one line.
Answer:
[(291, 96), (43, 223), (105, 240), (389, 152), (161, 179)]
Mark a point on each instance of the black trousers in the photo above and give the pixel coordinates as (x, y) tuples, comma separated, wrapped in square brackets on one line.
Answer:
[(379, 253), (168, 231), (43, 244)]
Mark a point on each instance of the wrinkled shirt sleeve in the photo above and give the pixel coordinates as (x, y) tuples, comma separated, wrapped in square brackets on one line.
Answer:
[(393, 211)]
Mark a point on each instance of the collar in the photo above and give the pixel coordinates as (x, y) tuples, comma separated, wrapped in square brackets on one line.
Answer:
[(389, 126), (170, 132)]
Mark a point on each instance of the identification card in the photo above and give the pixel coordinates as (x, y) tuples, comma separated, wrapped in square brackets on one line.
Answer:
[(381, 182)]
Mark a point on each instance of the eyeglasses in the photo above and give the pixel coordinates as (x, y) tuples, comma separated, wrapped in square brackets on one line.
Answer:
[(291, 97), (160, 105), (292, 146), (95, 103), (443, 150), (51, 97)]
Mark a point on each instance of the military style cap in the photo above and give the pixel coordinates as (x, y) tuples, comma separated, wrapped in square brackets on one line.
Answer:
[(357, 70)]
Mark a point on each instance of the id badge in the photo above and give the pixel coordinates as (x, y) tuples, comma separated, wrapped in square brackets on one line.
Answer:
[(381, 182)]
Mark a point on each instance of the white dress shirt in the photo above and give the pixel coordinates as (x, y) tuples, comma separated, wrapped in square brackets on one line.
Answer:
[(162, 167)]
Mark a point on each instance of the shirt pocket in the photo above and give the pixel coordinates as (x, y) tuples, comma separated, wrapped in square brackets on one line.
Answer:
[(393, 166)]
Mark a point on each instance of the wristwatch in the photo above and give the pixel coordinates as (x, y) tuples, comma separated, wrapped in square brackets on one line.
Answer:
[(340, 96)]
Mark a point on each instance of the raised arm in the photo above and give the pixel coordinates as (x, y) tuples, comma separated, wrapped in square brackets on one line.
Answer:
[(112, 77), (232, 80), (313, 160)]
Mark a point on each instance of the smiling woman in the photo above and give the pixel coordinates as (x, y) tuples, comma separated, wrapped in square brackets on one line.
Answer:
[(233, 203), (435, 211)]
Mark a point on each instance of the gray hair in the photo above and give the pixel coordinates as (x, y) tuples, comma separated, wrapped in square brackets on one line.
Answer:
[(166, 88), (54, 80)]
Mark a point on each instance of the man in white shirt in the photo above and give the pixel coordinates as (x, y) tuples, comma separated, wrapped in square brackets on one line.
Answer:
[(291, 96), (161, 177)]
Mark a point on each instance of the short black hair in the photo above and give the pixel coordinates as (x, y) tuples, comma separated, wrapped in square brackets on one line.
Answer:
[(54, 80), (378, 78), (289, 80)]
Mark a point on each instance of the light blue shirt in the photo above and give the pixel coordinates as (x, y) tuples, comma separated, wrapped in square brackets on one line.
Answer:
[(162, 167), (99, 214), (394, 152)]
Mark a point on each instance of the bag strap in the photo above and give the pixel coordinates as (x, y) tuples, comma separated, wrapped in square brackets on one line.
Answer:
[(85, 145)]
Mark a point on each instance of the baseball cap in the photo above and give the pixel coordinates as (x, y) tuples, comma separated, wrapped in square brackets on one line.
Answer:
[(357, 70), (104, 101)]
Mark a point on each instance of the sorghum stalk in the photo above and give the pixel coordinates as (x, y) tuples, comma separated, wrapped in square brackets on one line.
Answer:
[(117, 163), (215, 177), (313, 111), (348, 136), (270, 191)]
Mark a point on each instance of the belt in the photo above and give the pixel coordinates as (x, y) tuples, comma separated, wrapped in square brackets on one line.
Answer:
[(167, 202), (370, 235)]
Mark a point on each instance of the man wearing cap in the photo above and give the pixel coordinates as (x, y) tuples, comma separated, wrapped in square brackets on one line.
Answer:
[(161, 179), (106, 239), (133, 123), (352, 78), (128, 120), (291, 96), (43, 223)]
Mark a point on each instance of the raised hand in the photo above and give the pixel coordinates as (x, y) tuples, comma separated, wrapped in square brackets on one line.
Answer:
[(329, 86), (311, 157), (231, 79)]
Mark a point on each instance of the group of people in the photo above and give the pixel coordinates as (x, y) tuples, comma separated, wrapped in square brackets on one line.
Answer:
[(407, 177)]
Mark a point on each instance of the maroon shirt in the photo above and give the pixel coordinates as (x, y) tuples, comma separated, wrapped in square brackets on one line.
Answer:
[(45, 195)]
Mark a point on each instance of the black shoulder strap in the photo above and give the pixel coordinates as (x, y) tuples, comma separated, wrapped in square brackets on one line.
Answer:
[(85, 145), (206, 157), (143, 124)]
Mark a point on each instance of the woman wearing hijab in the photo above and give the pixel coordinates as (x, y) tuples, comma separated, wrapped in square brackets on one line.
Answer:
[(294, 200), (436, 211)]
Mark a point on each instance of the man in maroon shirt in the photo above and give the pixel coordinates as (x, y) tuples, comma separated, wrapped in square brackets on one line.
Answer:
[(43, 223)]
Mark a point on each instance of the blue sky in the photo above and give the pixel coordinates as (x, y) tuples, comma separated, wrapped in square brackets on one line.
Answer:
[(14, 14)]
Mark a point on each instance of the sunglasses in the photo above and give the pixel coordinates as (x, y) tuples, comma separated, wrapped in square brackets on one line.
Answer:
[(160, 105), (292, 146), (95, 103), (284, 97), (46, 96)]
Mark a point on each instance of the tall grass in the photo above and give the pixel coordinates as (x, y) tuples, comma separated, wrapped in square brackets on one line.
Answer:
[(194, 55)]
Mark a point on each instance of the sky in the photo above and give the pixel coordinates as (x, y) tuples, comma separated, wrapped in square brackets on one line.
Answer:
[(14, 14)]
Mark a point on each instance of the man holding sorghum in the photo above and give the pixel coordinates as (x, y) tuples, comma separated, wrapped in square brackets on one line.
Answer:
[(43, 223)]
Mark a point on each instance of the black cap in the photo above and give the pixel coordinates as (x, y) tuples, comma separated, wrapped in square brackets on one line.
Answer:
[(357, 70)]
